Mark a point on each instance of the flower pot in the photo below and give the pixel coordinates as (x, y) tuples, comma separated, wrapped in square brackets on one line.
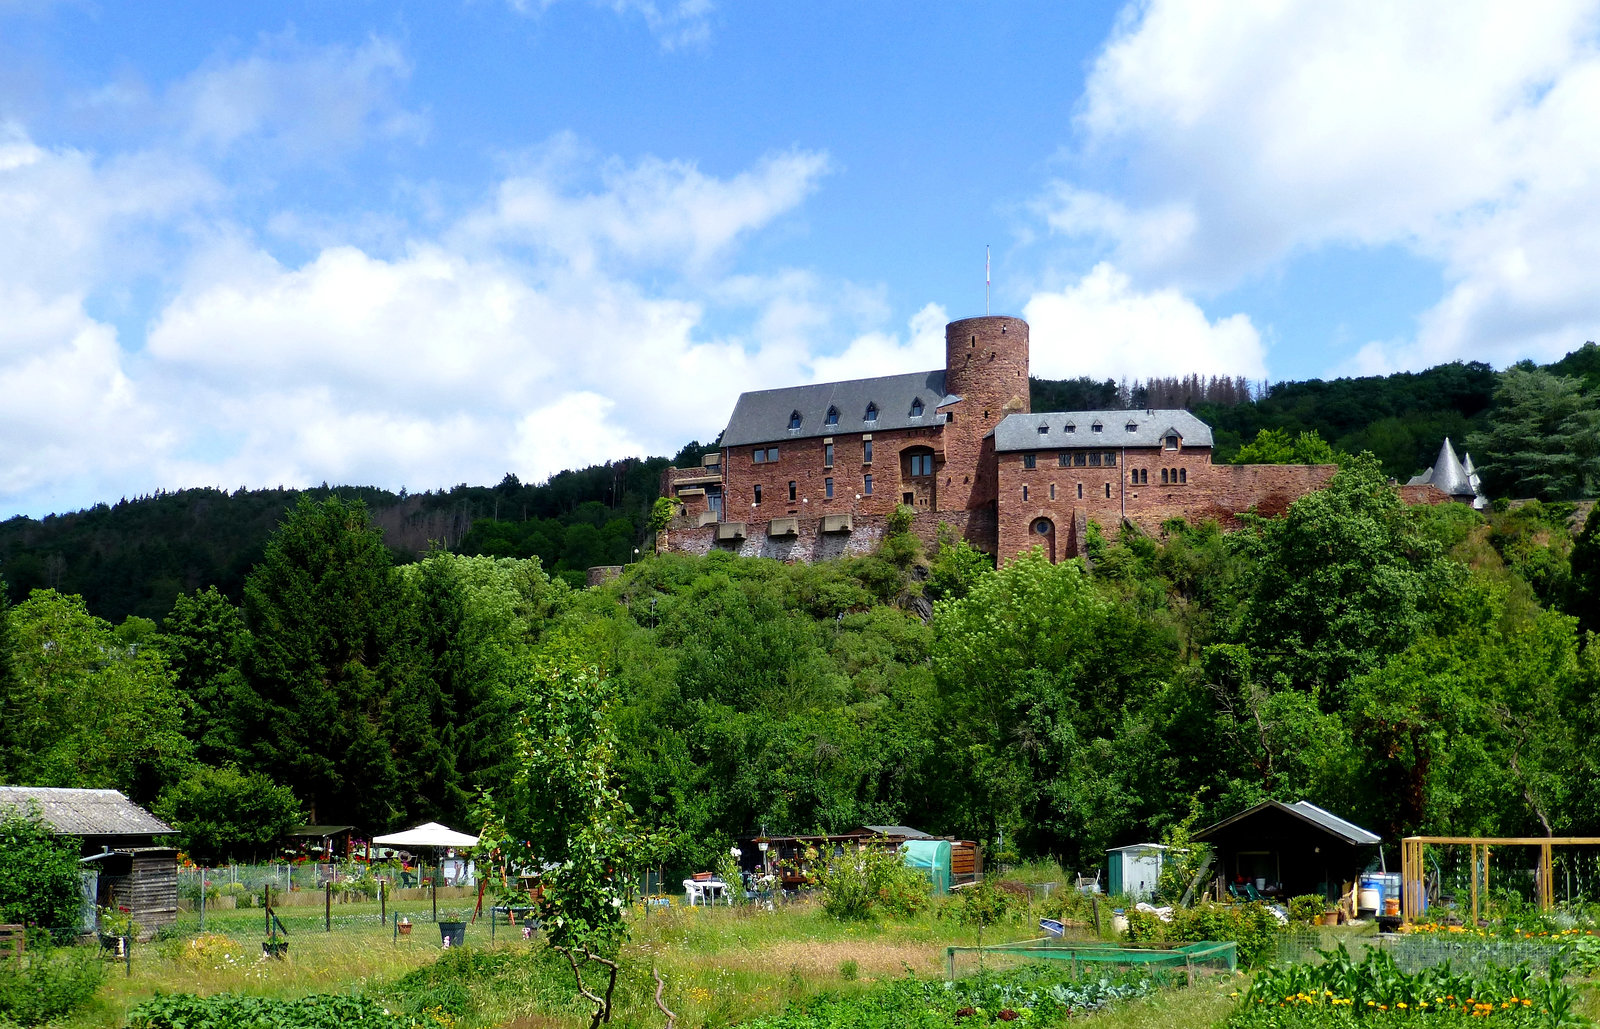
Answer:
[(452, 934), (1330, 918), (405, 928)]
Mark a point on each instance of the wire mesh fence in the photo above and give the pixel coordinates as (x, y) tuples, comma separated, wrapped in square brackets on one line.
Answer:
[(1414, 952)]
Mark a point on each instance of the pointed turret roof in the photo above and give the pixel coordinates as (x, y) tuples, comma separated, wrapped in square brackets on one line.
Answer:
[(1452, 477)]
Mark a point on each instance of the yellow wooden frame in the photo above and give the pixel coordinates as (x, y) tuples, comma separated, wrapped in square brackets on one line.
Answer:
[(1411, 866)]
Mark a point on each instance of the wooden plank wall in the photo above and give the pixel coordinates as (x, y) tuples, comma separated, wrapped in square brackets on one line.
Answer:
[(150, 891)]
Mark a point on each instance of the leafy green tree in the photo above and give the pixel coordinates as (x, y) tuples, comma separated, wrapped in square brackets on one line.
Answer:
[(39, 880), (224, 814), (330, 704), (1277, 446), (87, 710), (1543, 438), (1339, 583), (201, 637), (1585, 565)]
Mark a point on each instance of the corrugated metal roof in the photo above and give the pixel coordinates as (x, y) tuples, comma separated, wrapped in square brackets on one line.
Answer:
[(1328, 820), (1074, 430), (1305, 811), (85, 812), (763, 416), (898, 830)]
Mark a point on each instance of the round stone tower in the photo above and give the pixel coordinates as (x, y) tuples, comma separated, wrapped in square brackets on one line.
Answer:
[(986, 364)]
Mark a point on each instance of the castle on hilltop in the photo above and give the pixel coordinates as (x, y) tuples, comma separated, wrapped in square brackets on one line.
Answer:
[(812, 472)]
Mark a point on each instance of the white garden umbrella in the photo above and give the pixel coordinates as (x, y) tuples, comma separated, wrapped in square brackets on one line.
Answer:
[(429, 834)]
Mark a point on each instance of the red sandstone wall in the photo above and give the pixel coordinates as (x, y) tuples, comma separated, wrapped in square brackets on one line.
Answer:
[(986, 364), (802, 462), (814, 545)]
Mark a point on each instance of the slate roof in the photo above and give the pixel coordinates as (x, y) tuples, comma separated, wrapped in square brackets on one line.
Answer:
[(762, 416), (1452, 476), (85, 812), (1021, 431)]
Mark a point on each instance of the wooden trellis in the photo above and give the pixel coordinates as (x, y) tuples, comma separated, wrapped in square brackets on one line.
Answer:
[(1412, 868)]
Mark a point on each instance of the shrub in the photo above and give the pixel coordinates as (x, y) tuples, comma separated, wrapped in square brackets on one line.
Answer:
[(1252, 926), (49, 985), (860, 882), (1306, 908), (983, 904), (223, 812), (39, 881)]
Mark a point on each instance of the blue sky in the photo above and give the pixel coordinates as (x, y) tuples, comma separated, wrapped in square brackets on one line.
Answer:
[(421, 244)]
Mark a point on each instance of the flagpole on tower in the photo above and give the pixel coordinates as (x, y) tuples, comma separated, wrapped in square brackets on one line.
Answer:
[(986, 280)]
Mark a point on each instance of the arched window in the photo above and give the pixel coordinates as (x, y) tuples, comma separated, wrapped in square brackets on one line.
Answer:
[(1183, 475), (794, 419), (1163, 476), (872, 413), (1042, 526), (833, 417), (916, 408)]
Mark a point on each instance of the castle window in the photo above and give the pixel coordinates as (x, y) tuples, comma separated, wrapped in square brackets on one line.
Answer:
[(827, 487), (791, 491), (1080, 459), (866, 451), (972, 344), (1064, 459), (1070, 427), (872, 413), (1024, 493), (827, 455), (758, 493), (1052, 491), (1163, 476), (1030, 460), (1109, 458), (772, 455), (1183, 476), (916, 408), (1133, 426), (921, 464), (758, 455), (1080, 491), (1044, 430), (1172, 442), (1096, 426), (866, 485), (833, 417), (794, 419), (1042, 526), (1094, 459), (1108, 491)]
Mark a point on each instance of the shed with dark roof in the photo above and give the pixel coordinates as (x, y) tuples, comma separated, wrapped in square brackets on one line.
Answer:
[(1297, 848), (123, 864)]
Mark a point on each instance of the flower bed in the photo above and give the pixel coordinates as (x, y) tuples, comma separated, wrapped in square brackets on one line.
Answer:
[(1374, 991)]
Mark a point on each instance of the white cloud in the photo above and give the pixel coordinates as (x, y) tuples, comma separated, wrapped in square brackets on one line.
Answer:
[(296, 101), (1103, 327), (654, 212), (676, 23), (882, 353), (1246, 133)]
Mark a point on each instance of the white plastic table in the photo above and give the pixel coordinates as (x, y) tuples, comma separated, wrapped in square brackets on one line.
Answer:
[(705, 891)]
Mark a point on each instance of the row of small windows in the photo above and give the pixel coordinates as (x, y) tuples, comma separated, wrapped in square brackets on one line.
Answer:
[(871, 415), (827, 488), (1076, 459), (1170, 441), (1026, 492), (1169, 476), (769, 455)]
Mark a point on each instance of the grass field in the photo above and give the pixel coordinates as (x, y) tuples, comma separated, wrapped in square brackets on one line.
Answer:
[(723, 966)]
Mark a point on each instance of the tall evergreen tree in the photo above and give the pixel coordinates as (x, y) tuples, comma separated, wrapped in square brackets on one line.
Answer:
[(10, 688), (201, 638), (1543, 439), (329, 698)]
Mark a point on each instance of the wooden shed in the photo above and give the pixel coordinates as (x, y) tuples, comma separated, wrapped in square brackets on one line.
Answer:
[(123, 866), (1289, 849)]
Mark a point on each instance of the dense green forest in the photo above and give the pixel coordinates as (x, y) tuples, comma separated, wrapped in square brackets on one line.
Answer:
[(1415, 669)]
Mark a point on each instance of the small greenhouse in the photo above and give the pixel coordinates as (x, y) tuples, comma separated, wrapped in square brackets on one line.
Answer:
[(931, 856)]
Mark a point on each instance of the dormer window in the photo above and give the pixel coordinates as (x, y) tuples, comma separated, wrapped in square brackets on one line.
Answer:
[(1097, 426), (794, 419), (833, 417), (1172, 442), (1044, 430), (1070, 427), (916, 408), (872, 413), (1133, 426)]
